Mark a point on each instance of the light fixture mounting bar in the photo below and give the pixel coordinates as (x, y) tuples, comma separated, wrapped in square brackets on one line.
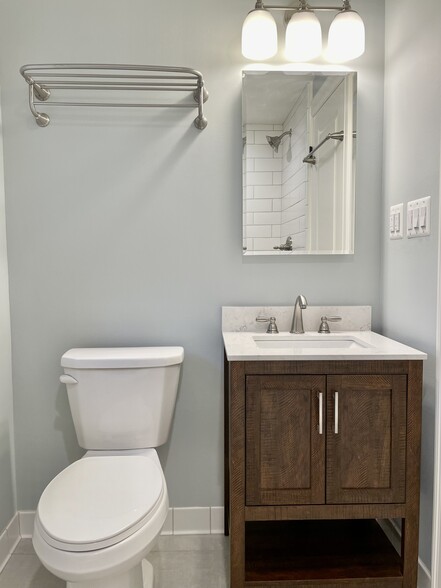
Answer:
[(297, 9), (290, 10)]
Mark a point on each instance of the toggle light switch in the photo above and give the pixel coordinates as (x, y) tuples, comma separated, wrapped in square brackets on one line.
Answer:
[(396, 221), (418, 218)]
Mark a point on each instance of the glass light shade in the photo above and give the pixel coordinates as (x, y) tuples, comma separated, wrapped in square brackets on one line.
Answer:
[(346, 39), (259, 35), (303, 36)]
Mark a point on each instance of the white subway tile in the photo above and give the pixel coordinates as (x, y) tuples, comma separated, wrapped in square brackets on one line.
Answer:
[(250, 137), (260, 205), (249, 192), (274, 165), (249, 218), (266, 244), (259, 179), (290, 228), (259, 127), (260, 137), (296, 194), (299, 241), (249, 165), (291, 213), (276, 231), (267, 191), (267, 218), (278, 127), (258, 231), (277, 204), (248, 243), (259, 151), (277, 178)]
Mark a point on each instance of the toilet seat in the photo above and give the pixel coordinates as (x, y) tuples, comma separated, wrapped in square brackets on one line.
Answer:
[(99, 501)]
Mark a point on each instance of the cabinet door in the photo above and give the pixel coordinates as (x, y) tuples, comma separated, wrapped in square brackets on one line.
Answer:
[(366, 439), (285, 443)]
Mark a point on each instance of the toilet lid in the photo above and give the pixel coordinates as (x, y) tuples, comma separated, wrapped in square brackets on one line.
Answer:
[(98, 501)]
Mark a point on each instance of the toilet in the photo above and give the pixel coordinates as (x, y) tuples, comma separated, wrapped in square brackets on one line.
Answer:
[(97, 520)]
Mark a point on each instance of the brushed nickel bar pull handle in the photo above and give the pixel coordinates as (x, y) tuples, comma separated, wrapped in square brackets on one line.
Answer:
[(336, 413), (320, 399)]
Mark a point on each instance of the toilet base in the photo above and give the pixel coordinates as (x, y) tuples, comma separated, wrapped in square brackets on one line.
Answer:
[(141, 576)]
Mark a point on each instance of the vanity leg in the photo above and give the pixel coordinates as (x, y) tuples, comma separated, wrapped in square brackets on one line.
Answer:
[(237, 475), (410, 525), (226, 447), (409, 551)]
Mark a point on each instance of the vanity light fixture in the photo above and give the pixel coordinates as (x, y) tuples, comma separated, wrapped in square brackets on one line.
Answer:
[(346, 39)]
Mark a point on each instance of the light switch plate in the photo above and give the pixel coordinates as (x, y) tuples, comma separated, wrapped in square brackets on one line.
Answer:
[(396, 221), (418, 218)]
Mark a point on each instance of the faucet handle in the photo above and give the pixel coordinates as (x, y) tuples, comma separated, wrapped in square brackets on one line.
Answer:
[(272, 327), (324, 327)]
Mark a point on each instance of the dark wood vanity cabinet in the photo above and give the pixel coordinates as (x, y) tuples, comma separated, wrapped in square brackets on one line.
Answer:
[(316, 453), (285, 451)]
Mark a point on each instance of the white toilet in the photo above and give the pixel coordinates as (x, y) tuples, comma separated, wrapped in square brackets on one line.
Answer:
[(98, 518)]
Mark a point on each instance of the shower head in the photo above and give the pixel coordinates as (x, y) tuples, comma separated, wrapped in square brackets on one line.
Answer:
[(275, 141)]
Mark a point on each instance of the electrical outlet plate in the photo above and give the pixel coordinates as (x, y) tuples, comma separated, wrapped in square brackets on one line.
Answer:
[(396, 221), (418, 218)]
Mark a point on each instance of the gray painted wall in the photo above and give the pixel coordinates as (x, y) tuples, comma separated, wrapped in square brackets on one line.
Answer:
[(412, 123), (125, 228), (7, 465)]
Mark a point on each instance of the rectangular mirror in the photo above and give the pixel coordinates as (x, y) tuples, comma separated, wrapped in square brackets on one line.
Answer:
[(299, 133)]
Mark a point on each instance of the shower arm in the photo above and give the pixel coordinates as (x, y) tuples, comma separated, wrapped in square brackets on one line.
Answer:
[(285, 133), (338, 136)]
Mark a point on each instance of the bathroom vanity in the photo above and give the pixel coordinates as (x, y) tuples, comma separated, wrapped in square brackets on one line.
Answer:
[(322, 443)]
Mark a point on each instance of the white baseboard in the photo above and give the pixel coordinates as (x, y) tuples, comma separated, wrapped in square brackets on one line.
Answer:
[(196, 520), (199, 520), (394, 534), (205, 520), (26, 520), (8, 540)]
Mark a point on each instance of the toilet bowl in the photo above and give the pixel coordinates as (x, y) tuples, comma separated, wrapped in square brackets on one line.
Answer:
[(97, 520)]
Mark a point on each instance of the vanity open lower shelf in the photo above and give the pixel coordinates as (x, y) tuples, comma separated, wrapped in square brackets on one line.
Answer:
[(308, 551), (315, 453)]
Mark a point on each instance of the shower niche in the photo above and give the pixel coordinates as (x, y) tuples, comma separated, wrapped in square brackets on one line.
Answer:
[(299, 142)]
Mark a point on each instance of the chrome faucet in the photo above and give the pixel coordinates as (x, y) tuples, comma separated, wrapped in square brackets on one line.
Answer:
[(297, 318)]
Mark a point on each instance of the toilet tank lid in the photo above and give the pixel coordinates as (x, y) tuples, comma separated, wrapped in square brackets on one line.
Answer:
[(122, 357)]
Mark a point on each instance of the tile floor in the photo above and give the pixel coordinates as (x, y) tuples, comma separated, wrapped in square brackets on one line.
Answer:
[(179, 561)]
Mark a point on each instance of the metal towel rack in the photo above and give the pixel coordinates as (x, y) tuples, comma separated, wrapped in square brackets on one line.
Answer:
[(44, 79), (338, 136)]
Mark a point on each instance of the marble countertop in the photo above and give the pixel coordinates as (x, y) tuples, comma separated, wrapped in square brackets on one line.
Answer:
[(367, 345)]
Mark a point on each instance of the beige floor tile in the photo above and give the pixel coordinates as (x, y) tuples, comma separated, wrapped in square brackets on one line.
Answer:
[(26, 571), (195, 561)]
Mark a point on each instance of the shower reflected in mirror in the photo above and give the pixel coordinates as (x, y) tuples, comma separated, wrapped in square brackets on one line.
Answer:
[(299, 136)]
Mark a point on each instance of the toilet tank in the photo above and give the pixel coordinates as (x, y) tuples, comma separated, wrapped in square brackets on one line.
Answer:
[(122, 398)]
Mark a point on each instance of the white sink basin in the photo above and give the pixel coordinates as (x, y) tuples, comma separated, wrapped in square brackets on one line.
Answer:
[(308, 342)]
